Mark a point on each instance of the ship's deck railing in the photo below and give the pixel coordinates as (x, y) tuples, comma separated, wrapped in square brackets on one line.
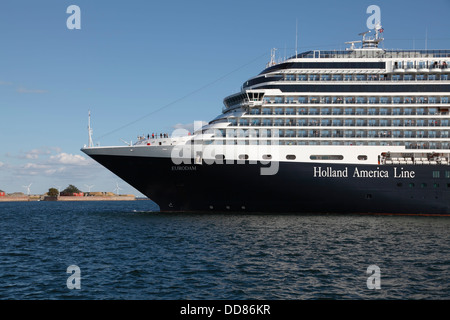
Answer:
[(415, 158), (161, 141), (368, 78), (360, 100), (436, 66), (370, 53)]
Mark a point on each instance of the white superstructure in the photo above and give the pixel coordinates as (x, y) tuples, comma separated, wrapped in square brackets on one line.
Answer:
[(362, 105)]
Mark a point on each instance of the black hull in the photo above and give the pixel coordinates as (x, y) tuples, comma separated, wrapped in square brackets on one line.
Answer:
[(296, 188)]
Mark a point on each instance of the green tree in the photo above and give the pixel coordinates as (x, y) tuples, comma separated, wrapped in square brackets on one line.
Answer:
[(71, 189), (53, 192)]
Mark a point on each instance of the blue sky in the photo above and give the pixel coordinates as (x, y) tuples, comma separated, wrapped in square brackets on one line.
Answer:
[(146, 66)]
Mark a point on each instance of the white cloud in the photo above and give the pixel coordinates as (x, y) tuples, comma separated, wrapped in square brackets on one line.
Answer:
[(35, 153), (69, 159), (35, 166), (31, 156), (54, 171), (49, 161), (32, 169), (49, 167)]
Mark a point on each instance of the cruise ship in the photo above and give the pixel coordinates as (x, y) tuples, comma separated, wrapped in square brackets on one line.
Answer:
[(363, 130)]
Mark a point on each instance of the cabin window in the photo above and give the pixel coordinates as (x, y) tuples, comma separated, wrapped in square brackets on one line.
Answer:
[(279, 100), (290, 77), (291, 157), (408, 77), (326, 157), (362, 157), (255, 111), (337, 77)]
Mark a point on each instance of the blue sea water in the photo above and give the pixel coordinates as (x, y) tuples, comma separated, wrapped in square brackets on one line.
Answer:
[(124, 250)]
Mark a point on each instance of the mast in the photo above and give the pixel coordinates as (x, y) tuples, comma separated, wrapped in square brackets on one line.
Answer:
[(272, 58), (296, 37), (90, 142)]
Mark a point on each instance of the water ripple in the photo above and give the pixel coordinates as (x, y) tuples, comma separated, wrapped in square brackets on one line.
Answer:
[(126, 251)]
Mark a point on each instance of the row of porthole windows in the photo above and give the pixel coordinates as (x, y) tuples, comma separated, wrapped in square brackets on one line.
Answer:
[(293, 157)]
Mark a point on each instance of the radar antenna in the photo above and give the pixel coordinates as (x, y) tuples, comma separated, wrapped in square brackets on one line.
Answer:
[(353, 44), (372, 42), (363, 34), (369, 42)]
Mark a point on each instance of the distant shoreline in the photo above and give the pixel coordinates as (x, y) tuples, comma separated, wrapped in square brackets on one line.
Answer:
[(69, 198)]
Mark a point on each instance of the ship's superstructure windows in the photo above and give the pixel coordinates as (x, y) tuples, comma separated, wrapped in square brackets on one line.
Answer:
[(346, 98), (420, 117)]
